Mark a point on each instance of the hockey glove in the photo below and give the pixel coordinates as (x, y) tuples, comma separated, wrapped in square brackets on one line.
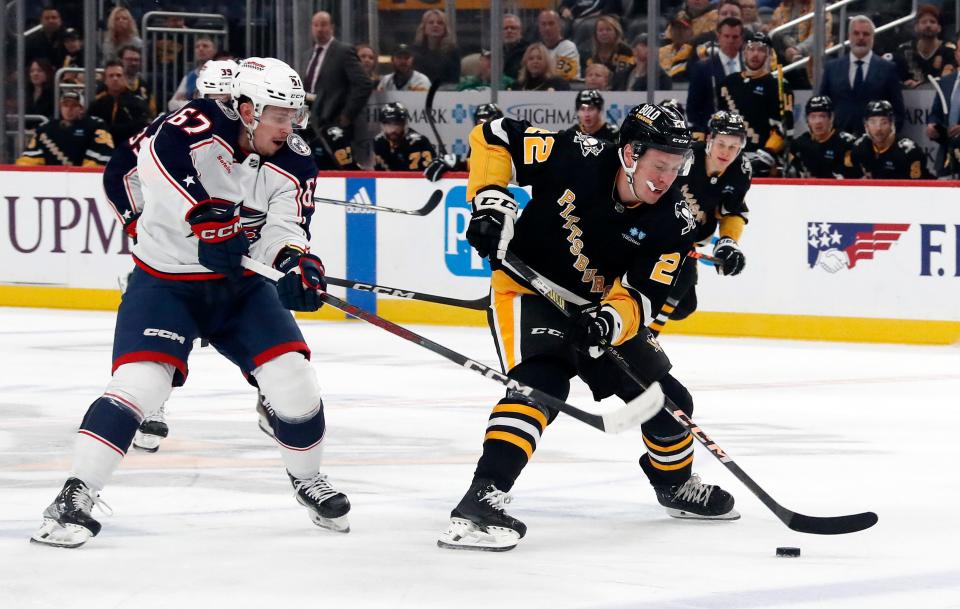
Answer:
[(222, 241), (491, 225), (592, 328), (731, 258), (440, 165), (762, 162), (303, 276)]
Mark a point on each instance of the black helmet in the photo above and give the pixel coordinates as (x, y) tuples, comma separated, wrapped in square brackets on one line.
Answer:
[(655, 126), (394, 112), (819, 103), (486, 112), (879, 107), (727, 123), (757, 38), (589, 97)]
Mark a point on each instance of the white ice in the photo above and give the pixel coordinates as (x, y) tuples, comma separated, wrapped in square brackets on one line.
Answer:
[(209, 520)]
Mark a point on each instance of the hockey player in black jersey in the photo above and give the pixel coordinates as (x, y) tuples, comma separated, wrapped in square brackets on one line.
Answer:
[(880, 155), (590, 118), (765, 103), (73, 140), (822, 152), (606, 228), (715, 190), (397, 147), (452, 162)]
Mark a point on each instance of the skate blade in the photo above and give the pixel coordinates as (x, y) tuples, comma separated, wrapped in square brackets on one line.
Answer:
[(465, 535), (339, 524), (685, 515), (146, 442), (52, 533)]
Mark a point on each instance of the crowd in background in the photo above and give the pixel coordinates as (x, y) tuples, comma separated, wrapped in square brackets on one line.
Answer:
[(595, 45)]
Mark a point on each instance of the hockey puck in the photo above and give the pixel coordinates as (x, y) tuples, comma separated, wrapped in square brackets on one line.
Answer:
[(788, 552)]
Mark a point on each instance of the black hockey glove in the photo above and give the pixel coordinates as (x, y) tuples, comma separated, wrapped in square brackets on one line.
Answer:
[(440, 165), (491, 225), (591, 328), (732, 259), (303, 276), (222, 241)]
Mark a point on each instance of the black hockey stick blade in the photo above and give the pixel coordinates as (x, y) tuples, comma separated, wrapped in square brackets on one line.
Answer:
[(430, 205), (831, 525), (478, 304), (616, 420)]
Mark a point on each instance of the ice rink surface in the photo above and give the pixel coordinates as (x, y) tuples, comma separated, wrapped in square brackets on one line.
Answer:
[(210, 521)]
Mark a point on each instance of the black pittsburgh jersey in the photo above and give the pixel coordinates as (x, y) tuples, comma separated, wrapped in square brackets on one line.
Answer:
[(85, 142), (413, 153), (711, 198), (608, 133), (912, 65), (832, 158), (767, 112), (903, 160), (574, 230)]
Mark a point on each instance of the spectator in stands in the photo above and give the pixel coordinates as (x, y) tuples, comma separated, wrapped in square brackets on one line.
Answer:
[(167, 50), (943, 125), (369, 62), (635, 78), (404, 77), (40, 94), (562, 53), (482, 79), (124, 112), (853, 80), (74, 140), (707, 75), (677, 58), (435, 48), (537, 71), (334, 75), (47, 42), (608, 46), (702, 16), (706, 43), (575, 10), (204, 49), (121, 31), (72, 49), (750, 16), (132, 60), (796, 42), (597, 76), (514, 45), (926, 54)]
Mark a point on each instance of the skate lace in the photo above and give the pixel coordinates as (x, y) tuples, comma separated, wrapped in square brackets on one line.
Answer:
[(694, 491), (85, 499), (497, 499), (317, 488)]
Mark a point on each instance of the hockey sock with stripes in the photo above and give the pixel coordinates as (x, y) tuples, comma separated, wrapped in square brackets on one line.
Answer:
[(104, 437), (301, 443)]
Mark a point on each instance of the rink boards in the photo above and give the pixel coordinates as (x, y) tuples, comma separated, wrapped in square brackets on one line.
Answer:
[(826, 260)]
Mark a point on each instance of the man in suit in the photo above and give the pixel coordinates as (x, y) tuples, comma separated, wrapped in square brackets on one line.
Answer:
[(855, 79), (944, 123), (333, 74), (707, 74)]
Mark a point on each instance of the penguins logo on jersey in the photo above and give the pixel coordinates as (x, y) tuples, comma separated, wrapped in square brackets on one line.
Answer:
[(297, 144), (693, 204), (588, 144), (683, 212)]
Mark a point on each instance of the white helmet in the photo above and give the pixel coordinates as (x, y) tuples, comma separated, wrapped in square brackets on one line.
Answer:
[(269, 82), (216, 77)]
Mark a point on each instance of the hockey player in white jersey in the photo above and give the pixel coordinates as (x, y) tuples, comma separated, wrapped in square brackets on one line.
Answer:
[(219, 182)]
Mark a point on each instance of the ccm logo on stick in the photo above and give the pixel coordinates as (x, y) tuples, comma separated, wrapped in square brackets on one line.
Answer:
[(164, 334)]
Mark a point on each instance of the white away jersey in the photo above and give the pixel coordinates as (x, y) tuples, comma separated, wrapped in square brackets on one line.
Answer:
[(195, 156)]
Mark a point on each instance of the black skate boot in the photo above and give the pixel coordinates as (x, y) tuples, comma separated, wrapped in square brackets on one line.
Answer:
[(152, 429), (696, 500), (328, 508), (265, 415), (480, 523), (67, 522)]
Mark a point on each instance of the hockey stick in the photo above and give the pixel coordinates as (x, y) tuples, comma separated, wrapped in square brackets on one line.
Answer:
[(831, 525), (623, 417), (430, 205), (478, 304), (428, 107), (695, 254)]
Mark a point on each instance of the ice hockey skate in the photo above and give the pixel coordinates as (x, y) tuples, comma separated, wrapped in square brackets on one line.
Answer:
[(328, 508), (695, 500), (479, 521), (67, 522), (152, 430), (265, 415)]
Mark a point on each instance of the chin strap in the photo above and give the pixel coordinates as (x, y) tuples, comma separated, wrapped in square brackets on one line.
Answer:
[(630, 171)]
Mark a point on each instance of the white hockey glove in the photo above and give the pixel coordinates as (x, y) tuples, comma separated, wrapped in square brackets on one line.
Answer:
[(491, 225)]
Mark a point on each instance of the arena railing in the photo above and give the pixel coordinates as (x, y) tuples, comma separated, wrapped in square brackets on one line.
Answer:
[(60, 84)]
